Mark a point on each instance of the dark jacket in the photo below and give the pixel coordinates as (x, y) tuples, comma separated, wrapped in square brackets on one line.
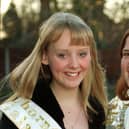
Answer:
[(44, 97)]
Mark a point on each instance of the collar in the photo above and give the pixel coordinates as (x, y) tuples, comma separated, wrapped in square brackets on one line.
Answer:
[(44, 97)]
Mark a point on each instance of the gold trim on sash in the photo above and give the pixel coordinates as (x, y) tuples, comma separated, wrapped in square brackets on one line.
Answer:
[(25, 114)]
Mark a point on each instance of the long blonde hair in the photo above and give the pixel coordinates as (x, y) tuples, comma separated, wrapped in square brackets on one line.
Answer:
[(24, 77)]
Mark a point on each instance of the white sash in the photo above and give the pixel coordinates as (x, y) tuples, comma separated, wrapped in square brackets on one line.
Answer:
[(126, 119), (25, 114)]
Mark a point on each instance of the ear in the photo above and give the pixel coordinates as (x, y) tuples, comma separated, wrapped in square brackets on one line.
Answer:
[(44, 59)]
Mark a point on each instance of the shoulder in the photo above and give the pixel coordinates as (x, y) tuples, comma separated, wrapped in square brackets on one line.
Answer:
[(11, 113), (98, 117), (116, 100), (116, 105), (116, 110), (96, 104)]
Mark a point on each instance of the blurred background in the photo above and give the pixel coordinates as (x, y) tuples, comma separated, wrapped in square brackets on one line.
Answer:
[(21, 19)]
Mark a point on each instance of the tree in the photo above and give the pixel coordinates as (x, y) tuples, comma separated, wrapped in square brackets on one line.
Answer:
[(12, 23)]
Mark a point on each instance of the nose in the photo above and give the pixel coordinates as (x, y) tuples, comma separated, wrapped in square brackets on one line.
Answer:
[(74, 61)]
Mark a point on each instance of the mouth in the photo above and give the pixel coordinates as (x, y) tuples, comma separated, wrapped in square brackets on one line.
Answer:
[(72, 74)]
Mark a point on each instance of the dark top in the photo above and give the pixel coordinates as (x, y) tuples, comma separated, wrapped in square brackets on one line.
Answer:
[(44, 97)]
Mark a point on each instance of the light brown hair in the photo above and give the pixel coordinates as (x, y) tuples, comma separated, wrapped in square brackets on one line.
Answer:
[(121, 87)]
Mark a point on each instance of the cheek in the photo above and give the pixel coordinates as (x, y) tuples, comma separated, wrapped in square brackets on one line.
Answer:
[(86, 63), (56, 65), (123, 65)]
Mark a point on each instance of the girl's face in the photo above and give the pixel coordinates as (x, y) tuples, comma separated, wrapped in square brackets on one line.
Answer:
[(125, 61), (68, 63)]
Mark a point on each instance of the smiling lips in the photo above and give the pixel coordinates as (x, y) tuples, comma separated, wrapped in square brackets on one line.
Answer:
[(72, 74)]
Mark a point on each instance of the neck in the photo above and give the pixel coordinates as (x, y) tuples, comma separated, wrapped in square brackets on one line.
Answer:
[(66, 96)]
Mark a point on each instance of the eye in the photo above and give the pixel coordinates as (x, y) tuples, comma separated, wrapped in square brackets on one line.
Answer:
[(83, 54), (125, 54), (61, 55)]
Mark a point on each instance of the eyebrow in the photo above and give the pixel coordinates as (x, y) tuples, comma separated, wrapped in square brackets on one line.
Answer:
[(83, 48), (125, 50), (66, 50)]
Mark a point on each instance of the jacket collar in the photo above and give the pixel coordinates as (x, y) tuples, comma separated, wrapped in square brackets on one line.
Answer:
[(44, 97)]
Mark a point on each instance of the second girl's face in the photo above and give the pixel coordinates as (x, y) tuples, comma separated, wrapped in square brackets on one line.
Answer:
[(125, 61), (68, 63)]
